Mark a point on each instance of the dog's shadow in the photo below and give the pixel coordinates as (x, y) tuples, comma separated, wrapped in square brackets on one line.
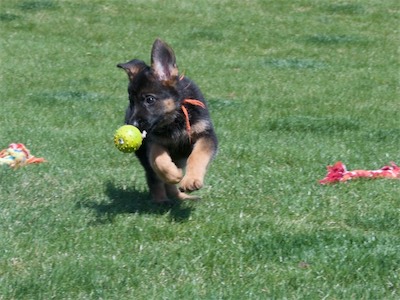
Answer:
[(131, 201)]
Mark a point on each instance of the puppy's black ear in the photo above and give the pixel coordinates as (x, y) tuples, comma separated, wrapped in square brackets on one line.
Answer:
[(163, 62), (132, 67)]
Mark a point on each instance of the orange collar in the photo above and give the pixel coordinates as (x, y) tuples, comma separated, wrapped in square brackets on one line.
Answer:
[(185, 112)]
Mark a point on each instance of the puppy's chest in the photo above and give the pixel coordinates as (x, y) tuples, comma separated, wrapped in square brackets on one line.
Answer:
[(176, 139), (177, 149)]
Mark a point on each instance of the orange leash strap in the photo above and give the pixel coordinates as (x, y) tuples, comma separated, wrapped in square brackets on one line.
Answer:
[(185, 112)]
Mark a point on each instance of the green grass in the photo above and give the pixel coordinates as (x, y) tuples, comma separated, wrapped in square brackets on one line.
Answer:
[(292, 85)]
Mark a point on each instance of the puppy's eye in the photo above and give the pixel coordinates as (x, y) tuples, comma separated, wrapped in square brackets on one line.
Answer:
[(149, 99)]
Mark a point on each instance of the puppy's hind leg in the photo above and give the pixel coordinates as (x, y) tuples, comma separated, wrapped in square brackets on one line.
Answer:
[(156, 185), (157, 188)]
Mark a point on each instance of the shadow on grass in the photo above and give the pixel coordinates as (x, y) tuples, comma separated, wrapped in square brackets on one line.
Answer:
[(132, 201)]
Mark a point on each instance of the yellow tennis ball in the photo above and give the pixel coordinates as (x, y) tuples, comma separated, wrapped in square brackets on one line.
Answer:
[(128, 138)]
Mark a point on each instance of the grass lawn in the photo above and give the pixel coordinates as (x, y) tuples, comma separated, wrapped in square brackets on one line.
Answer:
[(293, 86)]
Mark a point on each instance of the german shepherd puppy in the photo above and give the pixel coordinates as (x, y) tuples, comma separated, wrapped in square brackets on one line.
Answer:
[(172, 111)]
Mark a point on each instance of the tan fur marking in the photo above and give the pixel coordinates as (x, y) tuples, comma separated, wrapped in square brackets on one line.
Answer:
[(169, 105), (196, 167), (199, 127), (174, 72), (163, 165)]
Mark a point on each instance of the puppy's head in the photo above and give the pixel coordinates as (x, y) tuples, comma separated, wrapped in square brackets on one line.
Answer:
[(153, 96)]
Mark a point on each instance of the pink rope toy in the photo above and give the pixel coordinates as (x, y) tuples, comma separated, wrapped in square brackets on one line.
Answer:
[(339, 173), (17, 155)]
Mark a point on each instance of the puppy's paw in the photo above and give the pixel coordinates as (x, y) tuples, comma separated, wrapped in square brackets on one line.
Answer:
[(190, 184)]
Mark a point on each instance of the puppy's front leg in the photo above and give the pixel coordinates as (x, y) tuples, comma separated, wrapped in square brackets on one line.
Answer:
[(203, 152), (162, 164)]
